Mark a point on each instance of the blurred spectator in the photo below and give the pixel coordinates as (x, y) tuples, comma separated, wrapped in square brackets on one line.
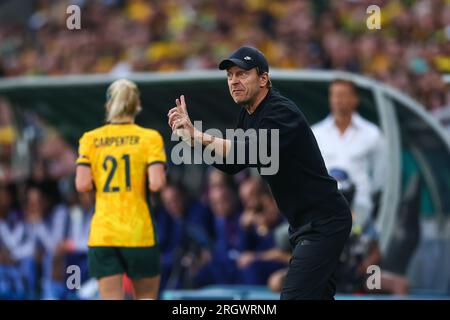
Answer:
[(183, 238), (8, 137), (72, 249), (224, 205), (259, 256), (443, 114), (217, 179), (58, 156), (276, 279), (11, 285), (353, 144), (47, 222), (360, 252), (249, 192), (30, 244), (253, 194)]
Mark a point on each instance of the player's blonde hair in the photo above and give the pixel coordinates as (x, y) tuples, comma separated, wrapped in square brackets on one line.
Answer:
[(122, 100)]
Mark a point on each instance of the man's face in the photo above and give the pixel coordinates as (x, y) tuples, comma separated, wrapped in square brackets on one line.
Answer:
[(343, 99), (172, 201), (244, 85)]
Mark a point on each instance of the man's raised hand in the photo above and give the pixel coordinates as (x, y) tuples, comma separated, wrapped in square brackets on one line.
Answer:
[(179, 120)]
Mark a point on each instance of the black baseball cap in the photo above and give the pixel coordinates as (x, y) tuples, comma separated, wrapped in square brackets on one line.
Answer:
[(246, 58)]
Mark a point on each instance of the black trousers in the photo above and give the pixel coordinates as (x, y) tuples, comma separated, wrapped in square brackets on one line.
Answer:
[(317, 247)]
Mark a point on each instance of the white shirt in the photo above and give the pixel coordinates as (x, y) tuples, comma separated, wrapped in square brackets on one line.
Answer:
[(359, 151)]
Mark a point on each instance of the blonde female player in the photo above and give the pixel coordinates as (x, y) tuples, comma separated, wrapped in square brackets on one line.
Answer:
[(123, 161)]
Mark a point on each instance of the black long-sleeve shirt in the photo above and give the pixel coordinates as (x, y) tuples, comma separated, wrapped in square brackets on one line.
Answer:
[(302, 187)]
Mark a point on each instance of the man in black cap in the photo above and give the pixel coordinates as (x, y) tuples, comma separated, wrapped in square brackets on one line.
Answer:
[(318, 215)]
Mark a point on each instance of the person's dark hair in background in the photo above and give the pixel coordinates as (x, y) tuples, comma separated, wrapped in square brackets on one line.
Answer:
[(346, 82), (217, 178), (174, 198)]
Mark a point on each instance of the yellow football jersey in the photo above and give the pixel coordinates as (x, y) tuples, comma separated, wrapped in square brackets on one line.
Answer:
[(119, 155)]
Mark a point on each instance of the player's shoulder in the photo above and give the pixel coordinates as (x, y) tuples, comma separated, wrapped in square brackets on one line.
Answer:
[(93, 133)]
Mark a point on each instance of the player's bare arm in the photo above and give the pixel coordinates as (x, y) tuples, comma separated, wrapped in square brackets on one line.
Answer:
[(83, 179), (156, 176)]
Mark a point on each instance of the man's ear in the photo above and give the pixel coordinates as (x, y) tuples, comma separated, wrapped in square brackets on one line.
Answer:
[(263, 79)]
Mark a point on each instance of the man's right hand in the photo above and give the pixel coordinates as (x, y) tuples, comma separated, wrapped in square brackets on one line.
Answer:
[(182, 126), (179, 120)]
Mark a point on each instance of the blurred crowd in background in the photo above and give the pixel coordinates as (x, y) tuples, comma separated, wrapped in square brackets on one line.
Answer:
[(411, 51)]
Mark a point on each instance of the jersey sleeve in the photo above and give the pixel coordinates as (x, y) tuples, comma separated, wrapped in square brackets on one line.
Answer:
[(156, 153), (84, 151)]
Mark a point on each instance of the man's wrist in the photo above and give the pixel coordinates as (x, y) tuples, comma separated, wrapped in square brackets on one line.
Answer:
[(197, 136), (204, 139)]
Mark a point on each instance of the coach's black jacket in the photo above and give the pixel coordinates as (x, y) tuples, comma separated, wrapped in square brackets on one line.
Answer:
[(302, 187)]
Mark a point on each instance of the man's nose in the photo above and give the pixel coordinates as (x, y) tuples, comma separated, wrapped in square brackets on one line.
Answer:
[(234, 80)]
